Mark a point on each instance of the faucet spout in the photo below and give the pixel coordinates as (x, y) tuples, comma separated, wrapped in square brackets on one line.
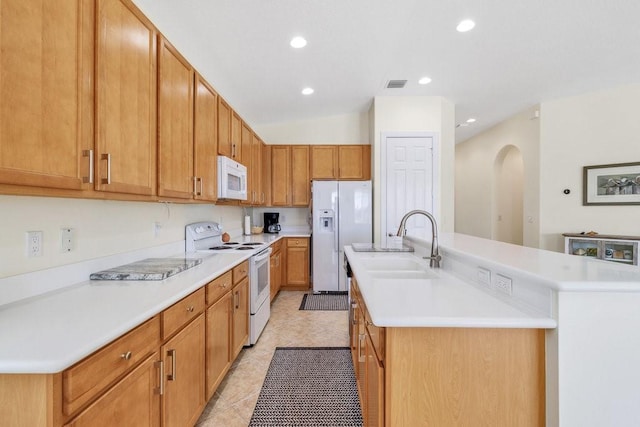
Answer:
[(434, 259)]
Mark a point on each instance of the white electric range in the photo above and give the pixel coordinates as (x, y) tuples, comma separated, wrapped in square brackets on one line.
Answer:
[(207, 237)]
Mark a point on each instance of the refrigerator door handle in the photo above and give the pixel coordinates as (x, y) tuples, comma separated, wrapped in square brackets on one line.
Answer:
[(335, 236)]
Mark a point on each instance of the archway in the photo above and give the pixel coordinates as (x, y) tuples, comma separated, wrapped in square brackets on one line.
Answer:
[(508, 189)]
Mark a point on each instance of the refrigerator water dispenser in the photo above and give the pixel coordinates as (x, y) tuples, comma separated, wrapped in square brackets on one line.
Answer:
[(326, 218)]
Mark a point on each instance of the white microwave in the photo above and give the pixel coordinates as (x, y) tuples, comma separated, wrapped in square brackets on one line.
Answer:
[(232, 179)]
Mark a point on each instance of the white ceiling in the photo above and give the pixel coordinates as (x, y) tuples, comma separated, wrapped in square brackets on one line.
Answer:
[(521, 52)]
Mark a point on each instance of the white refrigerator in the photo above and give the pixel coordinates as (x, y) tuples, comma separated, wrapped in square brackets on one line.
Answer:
[(342, 214)]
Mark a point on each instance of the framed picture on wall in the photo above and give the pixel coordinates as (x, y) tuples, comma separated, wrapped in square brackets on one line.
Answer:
[(617, 184)]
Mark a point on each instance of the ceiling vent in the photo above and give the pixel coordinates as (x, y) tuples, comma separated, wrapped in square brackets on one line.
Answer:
[(396, 84)]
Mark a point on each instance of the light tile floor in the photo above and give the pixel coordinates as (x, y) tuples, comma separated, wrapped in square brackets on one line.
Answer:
[(232, 404)]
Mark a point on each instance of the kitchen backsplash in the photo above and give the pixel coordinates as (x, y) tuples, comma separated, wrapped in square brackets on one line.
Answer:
[(99, 228)]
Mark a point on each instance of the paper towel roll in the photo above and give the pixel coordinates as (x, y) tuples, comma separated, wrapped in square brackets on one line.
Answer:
[(247, 225)]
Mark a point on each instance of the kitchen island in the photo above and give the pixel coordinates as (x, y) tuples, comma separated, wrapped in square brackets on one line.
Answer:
[(585, 313)]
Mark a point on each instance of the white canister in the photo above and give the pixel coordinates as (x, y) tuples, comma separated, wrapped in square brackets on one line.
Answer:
[(247, 225)]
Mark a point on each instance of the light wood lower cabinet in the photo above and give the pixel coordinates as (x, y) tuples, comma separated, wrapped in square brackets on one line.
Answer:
[(275, 269), (297, 264), (134, 401), (240, 310), (447, 376), (218, 342), (183, 357)]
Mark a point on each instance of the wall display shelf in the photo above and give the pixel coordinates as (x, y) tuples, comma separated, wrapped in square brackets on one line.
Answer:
[(621, 249)]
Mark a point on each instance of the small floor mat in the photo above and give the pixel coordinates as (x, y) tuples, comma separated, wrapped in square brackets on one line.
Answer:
[(309, 386), (328, 302)]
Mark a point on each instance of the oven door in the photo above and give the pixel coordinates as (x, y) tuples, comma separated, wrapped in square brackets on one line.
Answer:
[(260, 281)]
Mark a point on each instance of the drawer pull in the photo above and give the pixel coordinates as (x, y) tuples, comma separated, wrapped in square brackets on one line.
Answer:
[(190, 309), (172, 376), (224, 285), (369, 323), (126, 356)]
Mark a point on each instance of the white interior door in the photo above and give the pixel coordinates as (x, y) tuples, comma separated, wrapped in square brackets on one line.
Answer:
[(409, 167)]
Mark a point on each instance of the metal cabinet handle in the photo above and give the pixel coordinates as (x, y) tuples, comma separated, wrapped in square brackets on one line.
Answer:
[(236, 298), (201, 187), (360, 338), (224, 285), (89, 179), (368, 323), (160, 365), (190, 309), (195, 185), (107, 157), (172, 376), (126, 356)]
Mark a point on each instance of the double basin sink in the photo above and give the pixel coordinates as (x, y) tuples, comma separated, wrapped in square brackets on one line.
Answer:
[(396, 266)]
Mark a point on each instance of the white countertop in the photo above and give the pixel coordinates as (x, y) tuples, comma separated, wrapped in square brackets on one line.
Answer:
[(49, 332), (561, 272), (440, 301)]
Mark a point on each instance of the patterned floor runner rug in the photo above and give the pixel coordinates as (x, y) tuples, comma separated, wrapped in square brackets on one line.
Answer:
[(328, 302), (309, 386)]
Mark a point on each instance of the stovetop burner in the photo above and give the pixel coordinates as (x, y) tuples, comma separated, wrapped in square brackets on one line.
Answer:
[(244, 248), (220, 248), (253, 244), (231, 243)]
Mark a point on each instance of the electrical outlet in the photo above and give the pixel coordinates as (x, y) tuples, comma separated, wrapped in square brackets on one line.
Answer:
[(66, 239), (34, 243), (484, 276), (503, 284)]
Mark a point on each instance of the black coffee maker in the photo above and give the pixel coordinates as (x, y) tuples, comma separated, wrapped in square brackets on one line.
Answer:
[(271, 222)]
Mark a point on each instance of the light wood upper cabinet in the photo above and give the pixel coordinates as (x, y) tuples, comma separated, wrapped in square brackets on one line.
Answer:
[(46, 95), (175, 123), (125, 99), (236, 137), (300, 181), (266, 174), (324, 161), (342, 162), (247, 160), (224, 128), (354, 162), (280, 175), (205, 141), (256, 170)]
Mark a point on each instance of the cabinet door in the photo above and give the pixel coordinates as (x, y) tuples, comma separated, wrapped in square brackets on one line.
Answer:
[(324, 162), (218, 342), (240, 316), (297, 267), (300, 182), (133, 401), (175, 123), (205, 141), (236, 137), (374, 388), (224, 128), (46, 95), (247, 160), (266, 174), (183, 357), (125, 99), (256, 170), (354, 161), (280, 175)]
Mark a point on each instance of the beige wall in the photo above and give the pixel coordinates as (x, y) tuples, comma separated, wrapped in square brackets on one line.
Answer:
[(100, 228), (340, 129), (592, 129), (416, 114), (475, 165)]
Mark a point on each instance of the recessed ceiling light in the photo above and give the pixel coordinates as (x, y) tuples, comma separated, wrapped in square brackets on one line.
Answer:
[(424, 81), (471, 120), (465, 25), (298, 42), (307, 91)]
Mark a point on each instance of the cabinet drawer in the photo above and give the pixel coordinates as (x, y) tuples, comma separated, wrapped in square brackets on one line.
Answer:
[(376, 333), (180, 313), (83, 381), (218, 287), (297, 242), (240, 272)]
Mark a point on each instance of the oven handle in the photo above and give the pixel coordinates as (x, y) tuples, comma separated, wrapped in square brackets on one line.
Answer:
[(261, 256)]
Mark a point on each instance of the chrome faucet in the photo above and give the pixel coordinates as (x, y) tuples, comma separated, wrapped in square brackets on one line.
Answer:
[(434, 259)]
